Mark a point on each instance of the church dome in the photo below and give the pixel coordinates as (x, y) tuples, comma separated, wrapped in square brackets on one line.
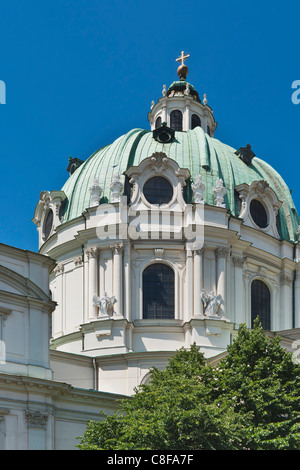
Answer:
[(193, 150), (167, 237)]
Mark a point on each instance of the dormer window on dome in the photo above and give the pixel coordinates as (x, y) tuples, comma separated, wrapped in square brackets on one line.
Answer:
[(48, 213), (259, 207), (157, 181), (180, 107), (164, 134)]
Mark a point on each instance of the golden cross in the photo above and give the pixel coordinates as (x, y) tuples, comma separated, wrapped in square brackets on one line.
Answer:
[(183, 57)]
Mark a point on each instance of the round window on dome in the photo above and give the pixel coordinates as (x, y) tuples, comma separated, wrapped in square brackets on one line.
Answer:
[(258, 213), (48, 224), (158, 190)]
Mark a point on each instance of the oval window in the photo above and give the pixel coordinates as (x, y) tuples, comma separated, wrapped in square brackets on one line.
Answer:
[(258, 213), (48, 224), (158, 190)]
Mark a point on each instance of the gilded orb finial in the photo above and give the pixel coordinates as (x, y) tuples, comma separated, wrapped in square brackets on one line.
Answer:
[(182, 70)]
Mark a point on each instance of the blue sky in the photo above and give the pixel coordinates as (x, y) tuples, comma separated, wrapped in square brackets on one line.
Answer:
[(80, 73)]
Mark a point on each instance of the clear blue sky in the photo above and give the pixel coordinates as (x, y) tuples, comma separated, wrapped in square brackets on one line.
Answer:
[(80, 73)]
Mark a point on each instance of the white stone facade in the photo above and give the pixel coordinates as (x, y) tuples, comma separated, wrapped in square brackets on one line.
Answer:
[(38, 412), (226, 255)]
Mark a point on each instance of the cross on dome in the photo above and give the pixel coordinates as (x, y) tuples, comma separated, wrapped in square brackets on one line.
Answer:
[(182, 70), (183, 57)]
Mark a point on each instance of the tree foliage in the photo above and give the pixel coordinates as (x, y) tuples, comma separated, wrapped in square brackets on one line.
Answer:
[(251, 400), (263, 379)]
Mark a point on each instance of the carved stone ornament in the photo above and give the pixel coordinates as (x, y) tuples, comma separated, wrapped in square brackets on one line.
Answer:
[(187, 90), (221, 252), (105, 304), (260, 188), (238, 261), (219, 192), (286, 278), (262, 192), (159, 253), (117, 247), (78, 260), (211, 303), (116, 188), (36, 419), (48, 200), (96, 192), (92, 252), (159, 161), (158, 164), (198, 187), (45, 199), (59, 269)]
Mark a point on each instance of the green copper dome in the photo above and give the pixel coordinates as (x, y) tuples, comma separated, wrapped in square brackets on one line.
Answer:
[(180, 86), (194, 150)]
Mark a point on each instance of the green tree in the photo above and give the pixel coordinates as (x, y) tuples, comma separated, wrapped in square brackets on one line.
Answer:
[(251, 400), (175, 411), (262, 378)]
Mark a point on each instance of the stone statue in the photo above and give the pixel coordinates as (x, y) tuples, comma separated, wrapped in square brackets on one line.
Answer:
[(96, 192), (116, 188), (105, 305), (211, 304), (198, 187), (219, 191)]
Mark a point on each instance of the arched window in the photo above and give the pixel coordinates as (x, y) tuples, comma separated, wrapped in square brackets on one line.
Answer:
[(176, 120), (158, 292), (158, 122), (261, 304), (196, 121)]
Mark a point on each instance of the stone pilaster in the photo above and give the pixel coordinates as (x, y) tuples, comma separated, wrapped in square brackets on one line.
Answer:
[(117, 276), (238, 263), (92, 254), (198, 282), (297, 295), (221, 254)]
